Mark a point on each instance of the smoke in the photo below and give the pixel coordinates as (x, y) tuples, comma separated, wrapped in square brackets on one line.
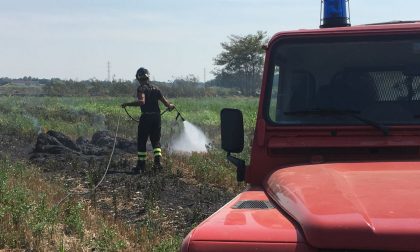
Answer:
[(99, 121), (191, 139), (35, 122)]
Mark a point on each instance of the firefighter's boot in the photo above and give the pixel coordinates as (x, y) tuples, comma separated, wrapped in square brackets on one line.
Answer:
[(157, 166), (140, 167), (157, 152)]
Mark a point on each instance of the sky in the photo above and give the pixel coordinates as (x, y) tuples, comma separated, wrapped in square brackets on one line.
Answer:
[(75, 39)]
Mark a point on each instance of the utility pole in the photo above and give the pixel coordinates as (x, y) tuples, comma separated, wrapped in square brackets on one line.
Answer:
[(204, 76), (109, 71)]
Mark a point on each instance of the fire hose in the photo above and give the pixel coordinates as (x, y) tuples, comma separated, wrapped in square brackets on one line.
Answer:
[(111, 155), (166, 110), (103, 176)]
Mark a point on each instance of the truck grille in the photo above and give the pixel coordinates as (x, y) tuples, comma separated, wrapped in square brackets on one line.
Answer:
[(347, 250), (253, 204)]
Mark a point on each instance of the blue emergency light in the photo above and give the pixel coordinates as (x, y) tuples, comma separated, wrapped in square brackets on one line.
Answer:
[(335, 13)]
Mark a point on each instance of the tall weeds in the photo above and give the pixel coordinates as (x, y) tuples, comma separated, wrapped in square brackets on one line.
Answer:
[(28, 210), (30, 218)]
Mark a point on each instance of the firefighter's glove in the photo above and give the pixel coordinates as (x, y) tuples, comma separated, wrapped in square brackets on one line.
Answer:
[(171, 107)]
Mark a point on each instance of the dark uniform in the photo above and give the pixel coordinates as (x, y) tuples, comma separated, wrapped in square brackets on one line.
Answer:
[(150, 122)]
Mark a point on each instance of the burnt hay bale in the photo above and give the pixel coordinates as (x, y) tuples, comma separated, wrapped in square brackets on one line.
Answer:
[(126, 145), (102, 138), (63, 139), (48, 144), (90, 149), (106, 139), (82, 141), (43, 140)]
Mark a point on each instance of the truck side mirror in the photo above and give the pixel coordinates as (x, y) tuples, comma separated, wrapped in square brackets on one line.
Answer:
[(232, 131)]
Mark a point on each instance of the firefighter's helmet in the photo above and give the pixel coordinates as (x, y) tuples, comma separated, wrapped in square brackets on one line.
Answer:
[(142, 73)]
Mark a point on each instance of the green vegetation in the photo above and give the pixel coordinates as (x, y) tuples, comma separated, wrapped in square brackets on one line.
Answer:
[(187, 86), (34, 222), (241, 63), (27, 202), (239, 71), (25, 116)]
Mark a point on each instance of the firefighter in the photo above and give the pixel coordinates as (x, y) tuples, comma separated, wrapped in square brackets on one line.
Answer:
[(148, 97)]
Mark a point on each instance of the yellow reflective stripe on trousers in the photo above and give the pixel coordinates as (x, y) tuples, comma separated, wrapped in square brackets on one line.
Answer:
[(157, 152), (142, 155)]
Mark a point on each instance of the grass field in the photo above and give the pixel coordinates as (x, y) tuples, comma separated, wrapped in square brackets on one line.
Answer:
[(28, 219), (25, 117), (83, 116)]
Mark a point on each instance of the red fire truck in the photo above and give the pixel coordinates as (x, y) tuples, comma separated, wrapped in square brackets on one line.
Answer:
[(335, 160)]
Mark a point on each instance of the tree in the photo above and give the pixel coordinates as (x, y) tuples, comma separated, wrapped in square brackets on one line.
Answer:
[(186, 86), (122, 88), (5, 80), (241, 62), (56, 87)]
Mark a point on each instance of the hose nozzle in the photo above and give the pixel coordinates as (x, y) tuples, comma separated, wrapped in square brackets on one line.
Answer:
[(179, 115)]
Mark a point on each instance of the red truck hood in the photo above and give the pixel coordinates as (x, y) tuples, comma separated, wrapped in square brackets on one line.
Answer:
[(353, 205)]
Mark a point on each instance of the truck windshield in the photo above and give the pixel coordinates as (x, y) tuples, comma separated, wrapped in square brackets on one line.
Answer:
[(377, 80)]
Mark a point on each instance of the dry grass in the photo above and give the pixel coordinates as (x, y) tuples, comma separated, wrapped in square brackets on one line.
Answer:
[(27, 210), (31, 220), (210, 168)]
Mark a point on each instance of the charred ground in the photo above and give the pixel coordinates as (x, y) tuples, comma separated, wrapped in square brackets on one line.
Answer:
[(179, 199), (68, 140)]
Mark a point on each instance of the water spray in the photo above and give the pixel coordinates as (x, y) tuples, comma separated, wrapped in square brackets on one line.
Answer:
[(191, 138)]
